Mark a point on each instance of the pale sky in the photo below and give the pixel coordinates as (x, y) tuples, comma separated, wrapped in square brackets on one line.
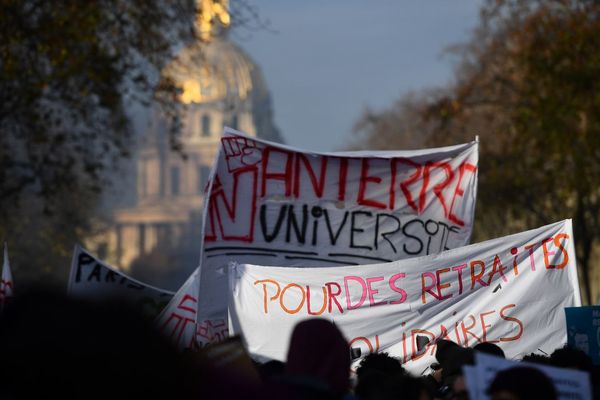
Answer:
[(329, 60)]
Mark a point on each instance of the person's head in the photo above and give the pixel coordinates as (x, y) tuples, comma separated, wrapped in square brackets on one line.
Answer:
[(319, 353), (489, 348), (569, 357), (382, 362), (270, 370), (521, 383), (400, 386), (452, 358), (537, 359), (373, 370)]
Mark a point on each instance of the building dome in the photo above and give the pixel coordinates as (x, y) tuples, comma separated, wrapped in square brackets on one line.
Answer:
[(216, 71), (219, 73)]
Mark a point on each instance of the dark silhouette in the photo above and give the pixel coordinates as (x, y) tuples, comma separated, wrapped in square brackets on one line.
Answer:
[(569, 357), (271, 370), (523, 383), (379, 362), (537, 358), (452, 358), (374, 370), (318, 361), (490, 348), (73, 349), (399, 386)]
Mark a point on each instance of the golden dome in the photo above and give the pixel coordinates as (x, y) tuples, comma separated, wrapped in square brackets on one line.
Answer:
[(215, 71)]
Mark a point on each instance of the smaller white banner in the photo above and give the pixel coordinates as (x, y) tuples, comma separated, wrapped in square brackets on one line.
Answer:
[(93, 279), (178, 320), (510, 291)]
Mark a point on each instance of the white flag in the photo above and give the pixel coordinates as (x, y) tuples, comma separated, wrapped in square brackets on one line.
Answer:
[(178, 319)]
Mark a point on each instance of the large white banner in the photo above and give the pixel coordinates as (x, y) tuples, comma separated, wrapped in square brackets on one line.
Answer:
[(276, 205), (92, 279), (510, 291)]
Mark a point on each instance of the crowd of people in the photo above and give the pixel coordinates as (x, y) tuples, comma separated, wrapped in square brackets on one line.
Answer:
[(70, 349)]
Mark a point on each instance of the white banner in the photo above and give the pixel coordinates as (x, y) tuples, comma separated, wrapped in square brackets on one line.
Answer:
[(276, 205), (178, 320), (510, 291), (92, 279)]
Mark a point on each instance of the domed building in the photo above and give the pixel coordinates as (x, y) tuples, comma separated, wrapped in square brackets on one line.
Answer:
[(221, 86)]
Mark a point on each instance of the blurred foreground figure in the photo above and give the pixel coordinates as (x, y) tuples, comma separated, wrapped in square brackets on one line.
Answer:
[(69, 349), (490, 348), (318, 361), (452, 358), (522, 383), (373, 371)]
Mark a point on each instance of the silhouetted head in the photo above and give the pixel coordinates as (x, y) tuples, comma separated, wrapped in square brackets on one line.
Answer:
[(537, 359), (319, 355), (373, 371), (489, 348), (452, 357), (382, 362), (400, 386), (271, 370), (522, 383), (569, 357)]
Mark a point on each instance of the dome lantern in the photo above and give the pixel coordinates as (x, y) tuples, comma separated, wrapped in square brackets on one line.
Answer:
[(211, 14)]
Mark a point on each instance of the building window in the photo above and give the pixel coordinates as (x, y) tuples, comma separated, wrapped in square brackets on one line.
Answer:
[(174, 181), (234, 122), (205, 125), (203, 172)]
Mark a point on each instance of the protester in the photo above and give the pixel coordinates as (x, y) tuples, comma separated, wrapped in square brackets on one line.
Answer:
[(537, 358), (318, 361), (522, 383), (569, 357), (452, 358), (373, 371), (271, 370), (573, 358), (489, 348), (399, 386)]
